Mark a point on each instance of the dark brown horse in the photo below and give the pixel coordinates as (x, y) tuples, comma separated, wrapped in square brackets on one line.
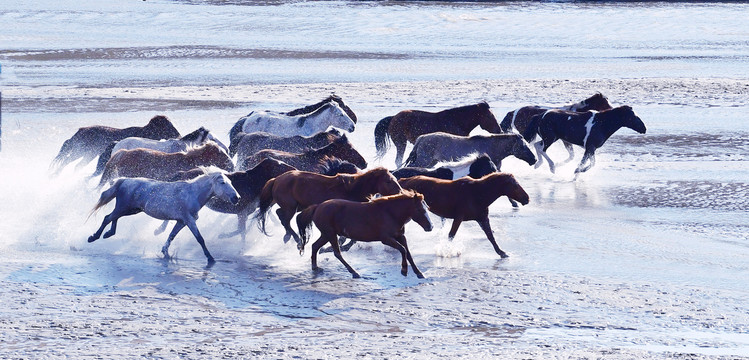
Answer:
[(296, 190), (310, 160), (247, 144), (519, 119), (381, 219), (157, 165), (408, 125), (467, 199), (89, 142)]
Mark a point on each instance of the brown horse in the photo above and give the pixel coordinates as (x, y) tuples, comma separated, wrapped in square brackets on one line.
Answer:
[(89, 142), (519, 119), (381, 219), (310, 160), (467, 199), (296, 190), (408, 125), (157, 165)]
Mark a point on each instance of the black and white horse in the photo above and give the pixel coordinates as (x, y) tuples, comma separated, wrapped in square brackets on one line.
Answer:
[(474, 165), (590, 130)]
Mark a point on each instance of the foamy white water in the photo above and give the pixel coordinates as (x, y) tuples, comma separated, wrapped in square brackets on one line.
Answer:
[(644, 256)]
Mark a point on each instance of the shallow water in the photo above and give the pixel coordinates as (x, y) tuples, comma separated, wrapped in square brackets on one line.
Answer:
[(645, 255)]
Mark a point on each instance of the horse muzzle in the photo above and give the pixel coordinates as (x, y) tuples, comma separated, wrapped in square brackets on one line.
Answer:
[(234, 200)]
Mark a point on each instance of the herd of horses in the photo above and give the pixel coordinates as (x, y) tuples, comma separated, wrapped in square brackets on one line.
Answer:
[(301, 163)]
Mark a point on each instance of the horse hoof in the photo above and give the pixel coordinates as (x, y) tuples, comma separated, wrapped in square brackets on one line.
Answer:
[(211, 261), (355, 276), (404, 272), (503, 255), (420, 275), (91, 239)]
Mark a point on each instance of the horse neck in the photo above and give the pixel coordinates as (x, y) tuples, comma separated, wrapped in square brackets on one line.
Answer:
[(609, 123), (397, 208), (491, 188), (202, 187)]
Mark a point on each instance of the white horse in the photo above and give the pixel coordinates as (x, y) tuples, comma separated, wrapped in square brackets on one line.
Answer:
[(180, 200), (183, 144), (306, 125)]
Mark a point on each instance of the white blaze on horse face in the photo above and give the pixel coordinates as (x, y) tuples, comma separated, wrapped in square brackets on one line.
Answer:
[(588, 127), (425, 207)]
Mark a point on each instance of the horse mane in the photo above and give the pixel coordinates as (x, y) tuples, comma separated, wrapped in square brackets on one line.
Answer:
[(303, 119), (466, 160), (405, 193), (196, 135)]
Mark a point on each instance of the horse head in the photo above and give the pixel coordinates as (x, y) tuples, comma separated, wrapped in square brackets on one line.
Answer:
[(342, 148), (162, 127), (510, 186), (380, 180), (222, 188), (419, 210), (212, 154), (337, 99), (486, 118), (631, 120), (521, 150), (339, 118)]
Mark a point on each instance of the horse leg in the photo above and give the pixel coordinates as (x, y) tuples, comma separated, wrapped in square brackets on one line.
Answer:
[(194, 229), (104, 223), (589, 157), (161, 227), (347, 246), (316, 248), (402, 241), (86, 159), (398, 246), (117, 213), (285, 217), (400, 143), (177, 227), (541, 149), (337, 252), (454, 228), (570, 150), (484, 223), (537, 146)]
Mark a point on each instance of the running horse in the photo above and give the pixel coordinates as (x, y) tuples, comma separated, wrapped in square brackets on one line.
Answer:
[(474, 165), (432, 148), (309, 160), (382, 219), (467, 199), (281, 124), (191, 140), (296, 190), (158, 165), (408, 125), (311, 108), (179, 201), (518, 119), (590, 130), (246, 144), (88, 142)]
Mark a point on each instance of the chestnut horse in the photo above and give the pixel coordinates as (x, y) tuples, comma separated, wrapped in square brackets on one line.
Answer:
[(590, 130), (247, 144), (519, 119), (157, 165), (381, 219), (296, 190), (309, 160), (89, 142), (467, 199), (408, 125)]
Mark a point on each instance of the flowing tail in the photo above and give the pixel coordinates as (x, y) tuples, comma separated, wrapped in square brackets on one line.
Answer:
[(382, 136), (304, 223), (103, 158), (106, 196), (265, 202), (412, 156), (237, 128), (532, 129), (65, 152)]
